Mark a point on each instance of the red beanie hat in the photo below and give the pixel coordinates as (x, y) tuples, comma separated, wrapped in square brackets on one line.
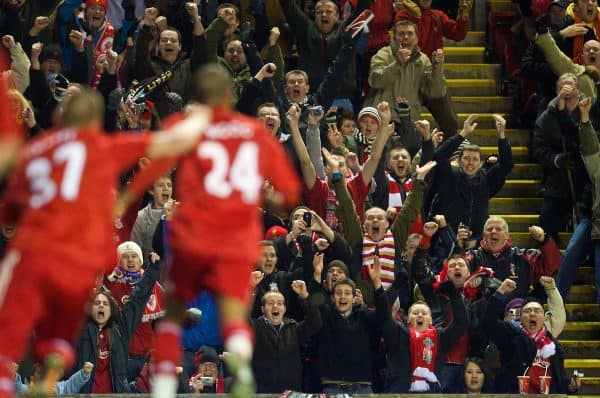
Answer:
[(103, 3)]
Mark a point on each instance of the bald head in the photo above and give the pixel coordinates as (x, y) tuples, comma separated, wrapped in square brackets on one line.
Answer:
[(214, 86), (591, 53)]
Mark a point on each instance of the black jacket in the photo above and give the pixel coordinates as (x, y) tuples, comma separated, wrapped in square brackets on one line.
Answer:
[(557, 132), (466, 199), (120, 334), (276, 362), (517, 351), (346, 344)]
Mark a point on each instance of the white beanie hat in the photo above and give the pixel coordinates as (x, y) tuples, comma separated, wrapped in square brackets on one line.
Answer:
[(369, 111), (129, 246)]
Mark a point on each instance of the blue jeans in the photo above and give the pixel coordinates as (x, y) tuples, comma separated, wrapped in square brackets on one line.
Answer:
[(577, 250)]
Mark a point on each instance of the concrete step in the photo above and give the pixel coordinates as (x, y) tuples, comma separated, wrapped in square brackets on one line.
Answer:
[(581, 349), (585, 294), (473, 104), (474, 38), (524, 240), (581, 331), (583, 312), (585, 275), (484, 121), (473, 71), (520, 153), (501, 5), (471, 87), (519, 188), (590, 367), (490, 137), (520, 222), (590, 385), (465, 54), (511, 205), (526, 170)]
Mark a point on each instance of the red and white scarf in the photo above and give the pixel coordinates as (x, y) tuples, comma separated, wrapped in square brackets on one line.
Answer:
[(541, 363), (121, 283), (397, 194), (423, 354), (387, 255)]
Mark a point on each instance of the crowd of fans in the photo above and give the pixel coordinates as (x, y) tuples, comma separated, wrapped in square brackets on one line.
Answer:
[(392, 276)]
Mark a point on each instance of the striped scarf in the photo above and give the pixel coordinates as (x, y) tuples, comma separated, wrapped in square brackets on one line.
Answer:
[(397, 193), (387, 255)]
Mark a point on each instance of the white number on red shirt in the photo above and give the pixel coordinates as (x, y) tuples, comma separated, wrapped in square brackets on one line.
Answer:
[(228, 175), (39, 172)]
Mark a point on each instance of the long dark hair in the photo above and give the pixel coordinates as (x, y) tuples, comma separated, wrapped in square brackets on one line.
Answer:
[(487, 381)]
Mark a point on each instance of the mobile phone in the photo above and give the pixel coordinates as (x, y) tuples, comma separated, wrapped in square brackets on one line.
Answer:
[(307, 217)]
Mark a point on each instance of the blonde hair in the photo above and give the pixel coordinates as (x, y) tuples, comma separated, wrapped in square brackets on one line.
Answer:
[(496, 218)]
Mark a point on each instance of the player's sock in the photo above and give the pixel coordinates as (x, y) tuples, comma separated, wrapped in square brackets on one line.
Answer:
[(238, 339), (168, 337), (7, 380), (57, 355), (63, 350)]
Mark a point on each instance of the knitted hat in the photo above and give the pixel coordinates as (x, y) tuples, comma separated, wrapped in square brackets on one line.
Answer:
[(514, 303), (560, 3), (51, 51), (208, 354), (463, 144), (340, 264), (369, 111), (275, 232), (129, 246), (103, 3)]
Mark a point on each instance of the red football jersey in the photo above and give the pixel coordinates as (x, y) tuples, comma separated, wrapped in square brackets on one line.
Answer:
[(220, 186), (63, 192)]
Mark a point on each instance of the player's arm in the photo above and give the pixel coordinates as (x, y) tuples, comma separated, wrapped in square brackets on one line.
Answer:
[(181, 137)]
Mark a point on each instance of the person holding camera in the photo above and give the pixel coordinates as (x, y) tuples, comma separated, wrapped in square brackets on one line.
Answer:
[(209, 376)]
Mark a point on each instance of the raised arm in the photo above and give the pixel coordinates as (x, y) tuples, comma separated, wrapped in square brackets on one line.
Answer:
[(386, 129), (309, 173), (498, 172)]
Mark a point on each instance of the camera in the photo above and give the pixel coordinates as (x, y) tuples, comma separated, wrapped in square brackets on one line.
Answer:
[(316, 111), (330, 119), (207, 380), (307, 217)]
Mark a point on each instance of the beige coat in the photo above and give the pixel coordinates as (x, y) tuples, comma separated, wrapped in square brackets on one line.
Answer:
[(416, 78)]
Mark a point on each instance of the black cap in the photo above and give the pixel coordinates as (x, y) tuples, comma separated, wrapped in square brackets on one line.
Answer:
[(51, 51), (560, 3), (208, 354)]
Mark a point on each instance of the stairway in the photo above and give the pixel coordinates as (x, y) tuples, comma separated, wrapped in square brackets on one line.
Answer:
[(474, 86)]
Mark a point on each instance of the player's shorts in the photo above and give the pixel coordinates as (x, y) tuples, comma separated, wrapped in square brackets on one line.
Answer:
[(40, 292), (221, 273)]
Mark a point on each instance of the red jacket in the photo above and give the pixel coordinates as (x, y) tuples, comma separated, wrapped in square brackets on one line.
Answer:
[(378, 28), (433, 26)]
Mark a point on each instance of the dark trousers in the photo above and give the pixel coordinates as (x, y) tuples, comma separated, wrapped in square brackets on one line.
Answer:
[(555, 215)]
